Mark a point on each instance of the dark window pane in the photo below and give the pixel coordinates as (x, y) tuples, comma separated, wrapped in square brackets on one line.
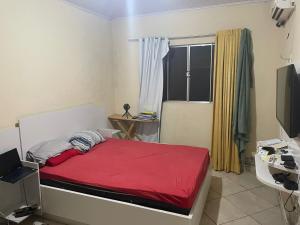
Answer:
[(175, 67), (177, 73), (165, 69), (200, 89), (212, 73)]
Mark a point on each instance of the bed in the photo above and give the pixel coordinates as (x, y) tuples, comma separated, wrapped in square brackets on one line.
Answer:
[(118, 181)]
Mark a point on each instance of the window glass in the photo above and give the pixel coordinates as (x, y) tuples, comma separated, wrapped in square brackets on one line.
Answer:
[(201, 73), (177, 73)]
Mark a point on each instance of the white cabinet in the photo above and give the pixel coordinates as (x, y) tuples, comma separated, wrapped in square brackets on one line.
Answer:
[(24, 192)]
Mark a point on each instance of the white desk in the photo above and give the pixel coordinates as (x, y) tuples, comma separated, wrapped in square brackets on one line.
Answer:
[(264, 174)]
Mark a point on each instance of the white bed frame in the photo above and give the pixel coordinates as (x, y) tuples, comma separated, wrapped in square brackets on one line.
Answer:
[(78, 208)]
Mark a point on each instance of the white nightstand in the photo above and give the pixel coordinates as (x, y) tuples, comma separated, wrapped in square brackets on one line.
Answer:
[(24, 192)]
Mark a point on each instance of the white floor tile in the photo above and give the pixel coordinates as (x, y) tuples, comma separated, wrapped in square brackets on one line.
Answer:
[(225, 186), (212, 195), (205, 220), (219, 173), (32, 219), (268, 194), (248, 202), (222, 211), (243, 221), (269, 217), (247, 180)]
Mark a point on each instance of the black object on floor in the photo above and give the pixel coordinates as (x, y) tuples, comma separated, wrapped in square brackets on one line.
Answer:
[(29, 210)]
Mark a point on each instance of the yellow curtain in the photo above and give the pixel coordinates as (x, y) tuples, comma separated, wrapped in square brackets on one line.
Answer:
[(225, 155)]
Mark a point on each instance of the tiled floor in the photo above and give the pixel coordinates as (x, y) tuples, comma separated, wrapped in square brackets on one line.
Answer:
[(31, 220), (235, 200), (241, 200)]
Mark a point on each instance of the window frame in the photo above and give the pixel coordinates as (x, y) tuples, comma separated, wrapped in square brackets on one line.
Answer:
[(188, 75)]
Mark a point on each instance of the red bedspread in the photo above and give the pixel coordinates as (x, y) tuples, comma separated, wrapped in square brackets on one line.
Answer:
[(166, 173)]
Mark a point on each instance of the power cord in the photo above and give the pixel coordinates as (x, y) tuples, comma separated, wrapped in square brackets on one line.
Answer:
[(290, 196), (294, 207)]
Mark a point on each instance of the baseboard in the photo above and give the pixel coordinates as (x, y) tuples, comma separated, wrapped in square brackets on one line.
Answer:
[(60, 220)]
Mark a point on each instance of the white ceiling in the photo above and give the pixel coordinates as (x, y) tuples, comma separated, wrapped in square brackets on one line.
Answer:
[(122, 8)]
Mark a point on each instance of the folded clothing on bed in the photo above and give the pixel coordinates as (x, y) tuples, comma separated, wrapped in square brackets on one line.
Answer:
[(167, 173), (85, 140), (41, 152)]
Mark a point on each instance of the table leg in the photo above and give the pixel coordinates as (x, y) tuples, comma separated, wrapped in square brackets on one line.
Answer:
[(116, 125), (124, 130), (128, 131), (138, 137), (131, 130)]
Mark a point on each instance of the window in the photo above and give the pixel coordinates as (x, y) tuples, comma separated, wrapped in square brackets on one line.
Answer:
[(188, 73)]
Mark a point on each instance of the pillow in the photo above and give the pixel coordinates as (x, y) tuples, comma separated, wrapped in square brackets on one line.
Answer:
[(64, 156), (41, 152), (96, 136), (85, 140)]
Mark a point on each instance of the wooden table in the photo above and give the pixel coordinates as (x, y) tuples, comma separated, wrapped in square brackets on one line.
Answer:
[(128, 125)]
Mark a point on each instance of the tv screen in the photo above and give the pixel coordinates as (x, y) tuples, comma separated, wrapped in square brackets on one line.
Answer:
[(287, 100)]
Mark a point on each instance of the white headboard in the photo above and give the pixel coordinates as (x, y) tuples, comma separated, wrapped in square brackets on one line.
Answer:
[(46, 126), (10, 139)]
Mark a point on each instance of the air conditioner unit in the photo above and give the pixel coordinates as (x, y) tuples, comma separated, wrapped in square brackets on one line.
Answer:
[(282, 10)]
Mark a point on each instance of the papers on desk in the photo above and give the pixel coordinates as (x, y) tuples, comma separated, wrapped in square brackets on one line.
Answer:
[(263, 154), (274, 160), (268, 142), (275, 143)]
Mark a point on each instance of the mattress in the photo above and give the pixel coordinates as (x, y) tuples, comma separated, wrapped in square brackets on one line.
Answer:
[(170, 174)]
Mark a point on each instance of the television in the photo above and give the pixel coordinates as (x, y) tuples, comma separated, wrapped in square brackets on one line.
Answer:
[(288, 100)]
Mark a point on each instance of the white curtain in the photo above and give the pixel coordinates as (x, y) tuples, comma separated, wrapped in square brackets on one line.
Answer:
[(152, 52)]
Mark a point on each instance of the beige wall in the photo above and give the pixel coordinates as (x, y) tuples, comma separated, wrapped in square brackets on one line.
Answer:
[(190, 123), (289, 46), (52, 55), (187, 123)]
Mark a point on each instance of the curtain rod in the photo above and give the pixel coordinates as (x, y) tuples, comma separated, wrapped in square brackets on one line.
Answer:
[(182, 37)]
